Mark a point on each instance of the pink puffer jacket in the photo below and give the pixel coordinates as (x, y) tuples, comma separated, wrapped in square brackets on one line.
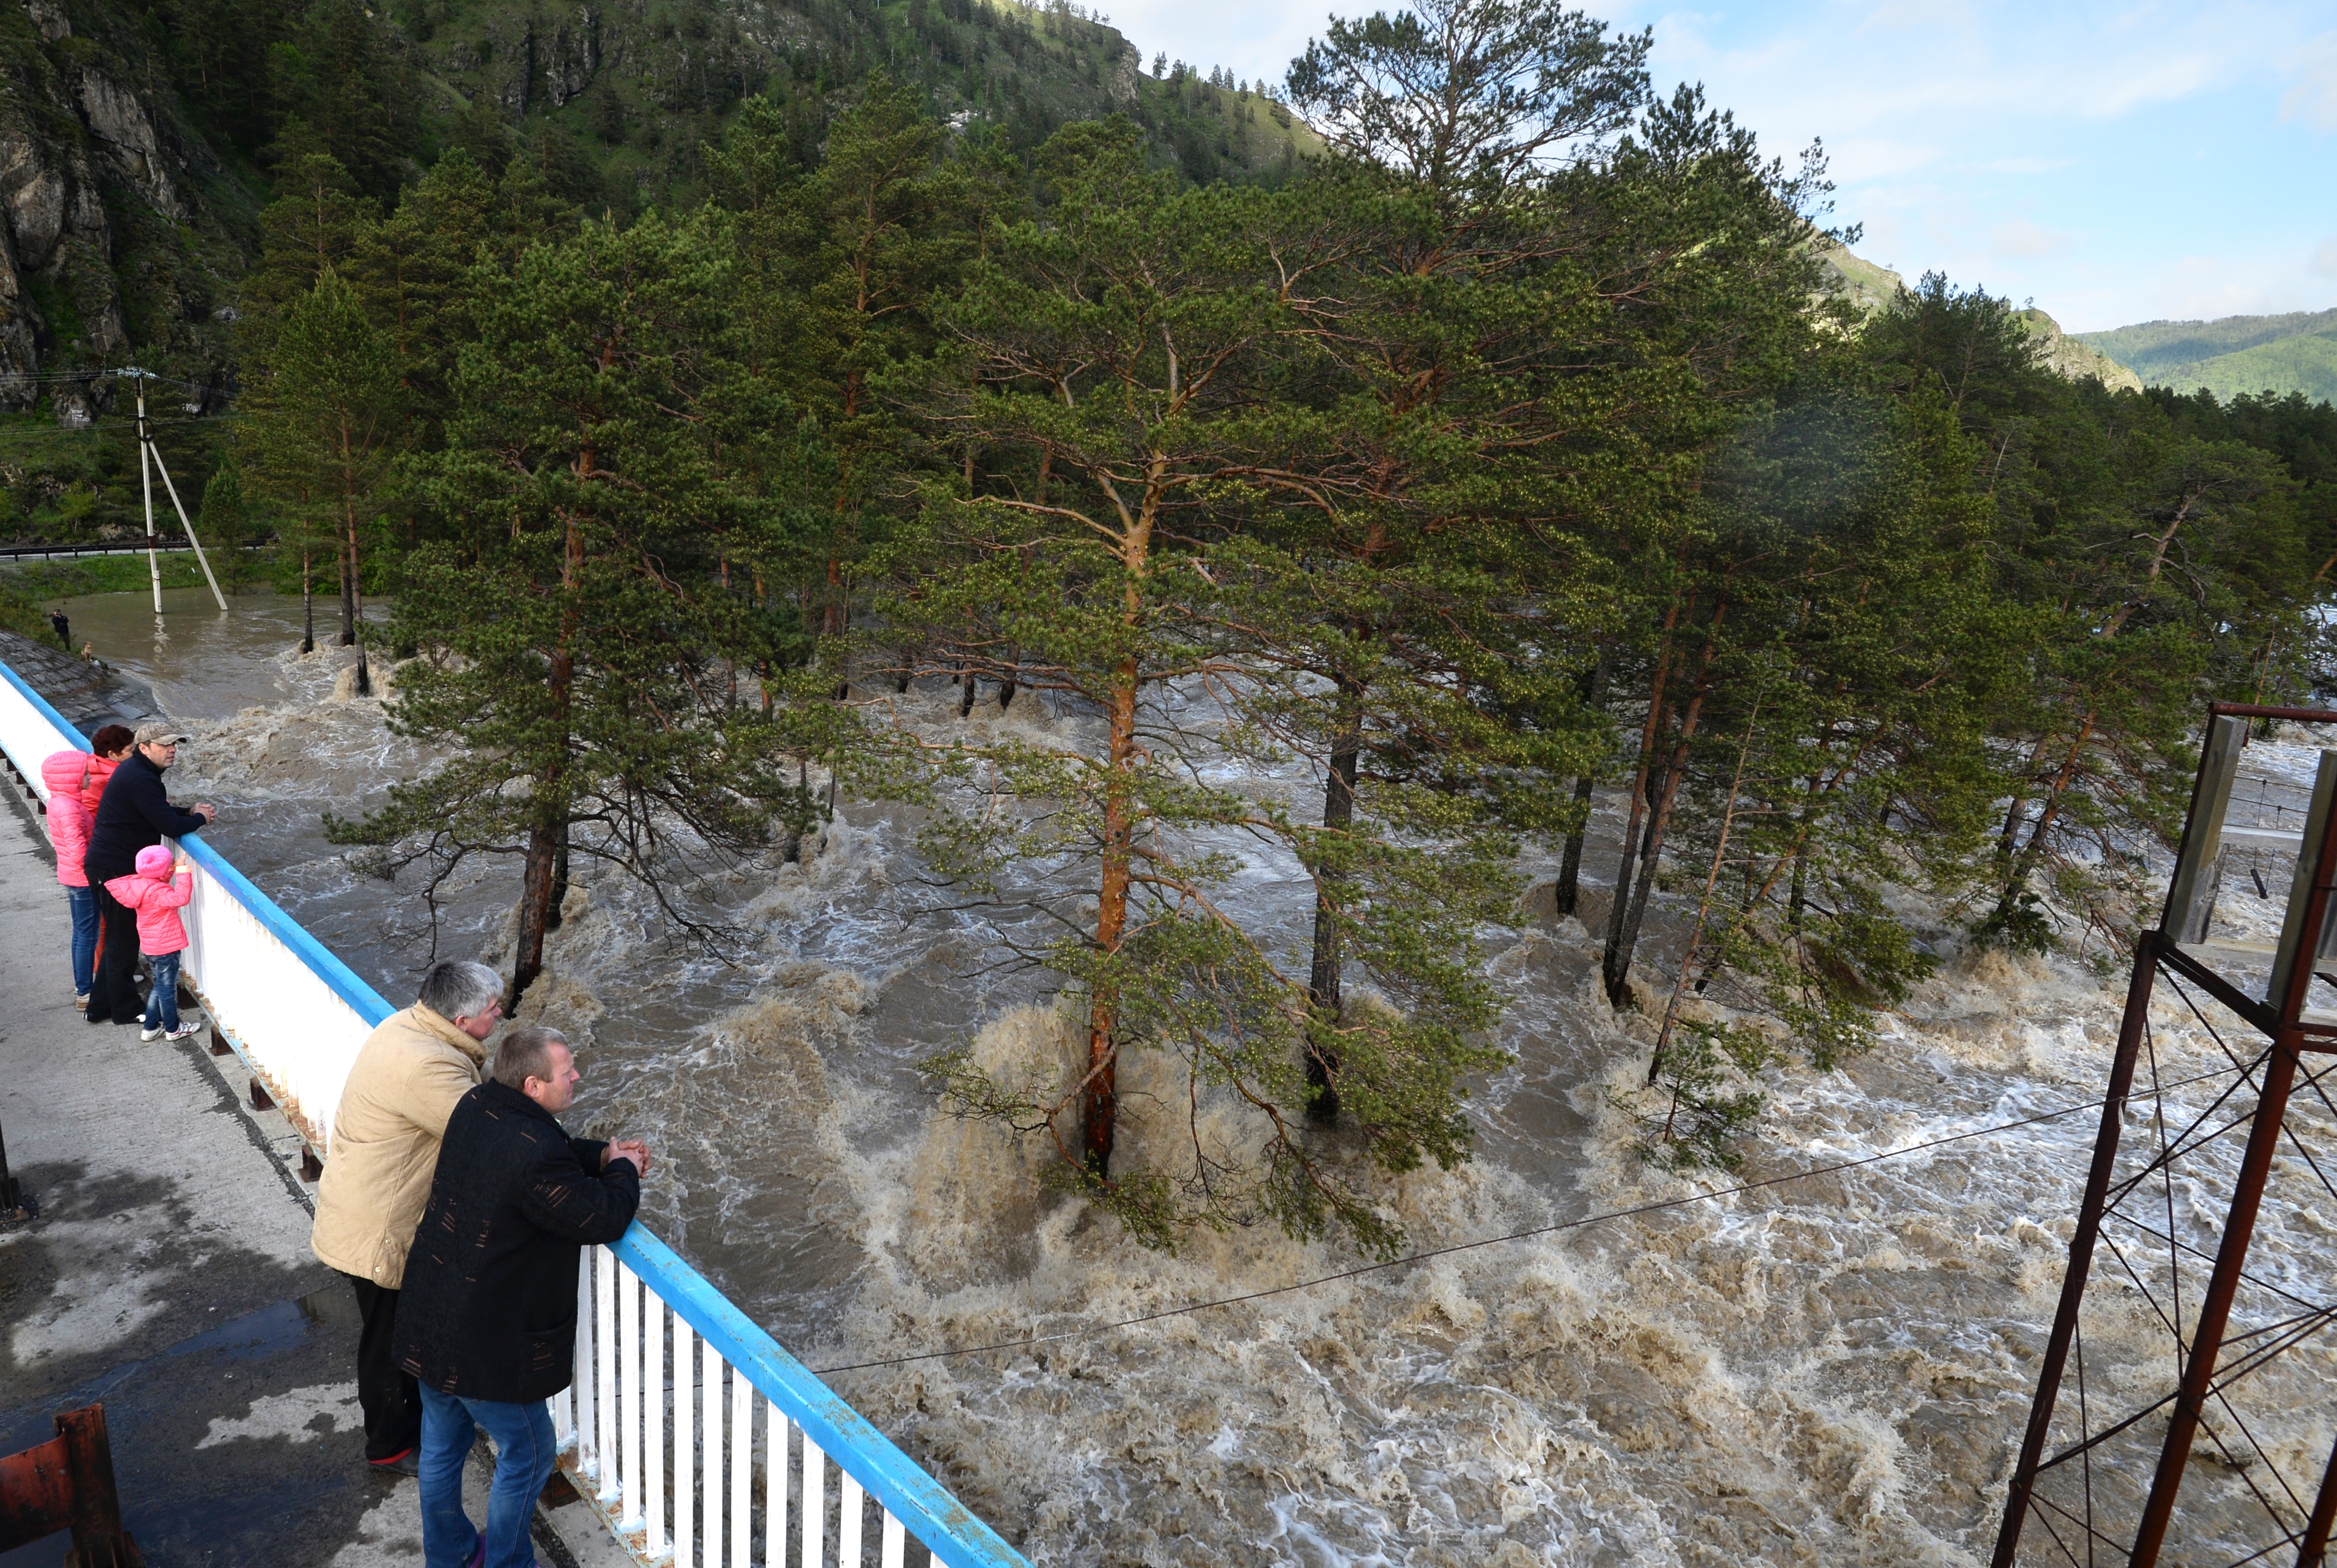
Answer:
[(68, 817), (158, 901)]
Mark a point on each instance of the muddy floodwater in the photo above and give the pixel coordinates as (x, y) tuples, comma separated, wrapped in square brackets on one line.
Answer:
[(1829, 1371)]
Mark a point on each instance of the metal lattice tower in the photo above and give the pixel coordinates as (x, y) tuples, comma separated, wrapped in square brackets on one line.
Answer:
[(2184, 1402)]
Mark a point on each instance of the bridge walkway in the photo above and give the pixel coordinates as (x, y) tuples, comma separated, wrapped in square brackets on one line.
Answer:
[(168, 1274)]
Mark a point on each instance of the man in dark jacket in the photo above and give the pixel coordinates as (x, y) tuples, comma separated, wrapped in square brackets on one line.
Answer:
[(131, 813), (487, 1318)]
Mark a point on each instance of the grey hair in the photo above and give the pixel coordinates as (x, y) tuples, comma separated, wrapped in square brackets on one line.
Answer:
[(458, 988), (525, 1053)]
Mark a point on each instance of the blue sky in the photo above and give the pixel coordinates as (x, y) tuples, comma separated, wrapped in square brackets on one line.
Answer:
[(2116, 164)]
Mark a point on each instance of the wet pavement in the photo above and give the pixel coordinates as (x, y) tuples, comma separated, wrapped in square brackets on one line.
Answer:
[(168, 1275)]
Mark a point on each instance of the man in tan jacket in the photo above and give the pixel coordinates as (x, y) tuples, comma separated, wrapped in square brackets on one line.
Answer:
[(407, 1078)]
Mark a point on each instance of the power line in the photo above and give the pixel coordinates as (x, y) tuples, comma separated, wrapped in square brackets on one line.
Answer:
[(1563, 1225)]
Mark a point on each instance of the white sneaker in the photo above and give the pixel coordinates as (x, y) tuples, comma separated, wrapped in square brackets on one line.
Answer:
[(80, 999), (180, 1033), (146, 1033)]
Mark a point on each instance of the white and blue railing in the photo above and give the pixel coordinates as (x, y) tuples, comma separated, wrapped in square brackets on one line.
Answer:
[(699, 1439)]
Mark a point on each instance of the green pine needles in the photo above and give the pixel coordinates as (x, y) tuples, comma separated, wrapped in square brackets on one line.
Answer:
[(1502, 487)]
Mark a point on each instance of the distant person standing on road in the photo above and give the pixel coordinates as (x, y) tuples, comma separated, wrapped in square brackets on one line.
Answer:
[(158, 889), (488, 1322), (407, 1078), (62, 626), (134, 814)]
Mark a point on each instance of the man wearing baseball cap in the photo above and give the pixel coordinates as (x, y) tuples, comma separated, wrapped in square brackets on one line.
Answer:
[(131, 815)]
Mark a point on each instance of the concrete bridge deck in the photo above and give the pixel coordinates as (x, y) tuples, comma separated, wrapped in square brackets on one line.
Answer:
[(168, 1274)]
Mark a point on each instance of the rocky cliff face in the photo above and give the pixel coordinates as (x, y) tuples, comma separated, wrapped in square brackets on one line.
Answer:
[(2075, 358), (1870, 289), (117, 216)]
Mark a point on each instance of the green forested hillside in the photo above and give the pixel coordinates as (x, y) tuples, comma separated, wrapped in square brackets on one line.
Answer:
[(2235, 356), (146, 140), (616, 104)]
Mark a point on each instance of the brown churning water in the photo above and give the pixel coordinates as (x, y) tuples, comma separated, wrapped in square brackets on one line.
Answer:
[(1835, 1371)]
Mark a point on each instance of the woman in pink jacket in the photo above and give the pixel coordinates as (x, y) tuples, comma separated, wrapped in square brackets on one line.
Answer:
[(77, 780), (69, 832), (158, 891)]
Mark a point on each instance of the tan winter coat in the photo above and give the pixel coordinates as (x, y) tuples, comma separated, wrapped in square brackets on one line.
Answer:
[(393, 1109)]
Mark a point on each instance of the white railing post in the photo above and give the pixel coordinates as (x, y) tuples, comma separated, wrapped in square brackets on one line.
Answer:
[(653, 1438), (604, 1368), (896, 1542), (709, 1475), (815, 1504), (563, 1423), (848, 1520), (588, 1453), (629, 1398), (775, 1487), (685, 1444), (742, 1474)]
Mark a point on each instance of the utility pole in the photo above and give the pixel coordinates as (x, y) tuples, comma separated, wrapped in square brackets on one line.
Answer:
[(146, 485), (147, 449)]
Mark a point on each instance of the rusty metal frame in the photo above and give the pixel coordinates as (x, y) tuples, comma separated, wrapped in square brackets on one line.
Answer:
[(2212, 1357)]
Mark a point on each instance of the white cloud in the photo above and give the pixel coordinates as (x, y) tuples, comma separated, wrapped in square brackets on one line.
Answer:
[(2024, 241), (1860, 158), (2324, 257), (2314, 99)]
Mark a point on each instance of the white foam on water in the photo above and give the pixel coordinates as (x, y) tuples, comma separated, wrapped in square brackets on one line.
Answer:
[(1833, 1370)]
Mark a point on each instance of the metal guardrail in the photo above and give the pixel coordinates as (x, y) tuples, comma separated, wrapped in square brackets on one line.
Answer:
[(163, 545), (681, 1403)]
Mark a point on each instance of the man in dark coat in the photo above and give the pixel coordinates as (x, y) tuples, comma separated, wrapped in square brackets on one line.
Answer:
[(486, 1321), (131, 813)]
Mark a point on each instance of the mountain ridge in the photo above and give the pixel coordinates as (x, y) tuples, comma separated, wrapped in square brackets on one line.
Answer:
[(2231, 355)]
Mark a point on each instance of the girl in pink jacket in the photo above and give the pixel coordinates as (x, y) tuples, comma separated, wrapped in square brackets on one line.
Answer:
[(157, 895), (69, 831)]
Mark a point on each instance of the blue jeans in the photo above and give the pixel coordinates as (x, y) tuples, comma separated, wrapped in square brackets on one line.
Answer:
[(524, 1453), (163, 1005), (83, 903)]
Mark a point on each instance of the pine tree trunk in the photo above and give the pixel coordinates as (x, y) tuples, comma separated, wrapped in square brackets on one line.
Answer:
[(1322, 978), (2057, 796), (1099, 1101), (832, 619), (308, 604), (535, 903), (559, 882), (1649, 733), (1566, 896), (1625, 937), (353, 581), (547, 840)]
